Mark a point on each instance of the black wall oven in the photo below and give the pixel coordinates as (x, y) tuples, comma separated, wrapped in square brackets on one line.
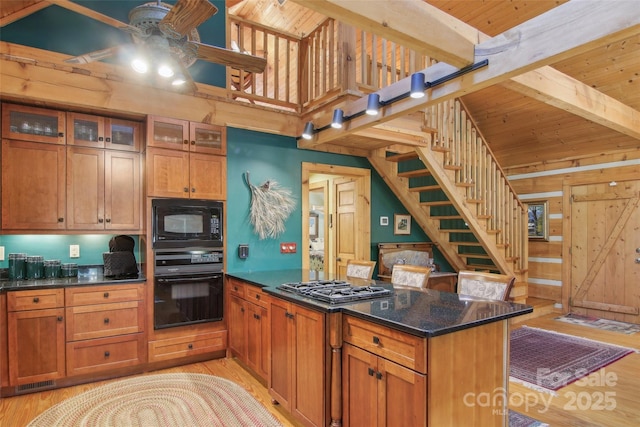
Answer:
[(188, 287)]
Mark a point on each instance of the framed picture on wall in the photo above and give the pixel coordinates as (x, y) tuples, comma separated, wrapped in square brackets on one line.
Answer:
[(401, 224), (313, 226), (537, 224)]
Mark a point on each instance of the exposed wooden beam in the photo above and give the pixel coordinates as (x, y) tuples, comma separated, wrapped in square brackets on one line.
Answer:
[(413, 24), (555, 88), (550, 37), (21, 13)]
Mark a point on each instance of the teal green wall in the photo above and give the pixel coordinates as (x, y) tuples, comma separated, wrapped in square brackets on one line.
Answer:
[(276, 158), (57, 247)]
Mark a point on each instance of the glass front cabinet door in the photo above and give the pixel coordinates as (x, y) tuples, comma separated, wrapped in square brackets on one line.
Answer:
[(183, 135), (33, 124), (103, 132)]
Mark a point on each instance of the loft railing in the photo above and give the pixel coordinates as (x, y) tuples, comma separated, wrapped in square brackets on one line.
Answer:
[(303, 72)]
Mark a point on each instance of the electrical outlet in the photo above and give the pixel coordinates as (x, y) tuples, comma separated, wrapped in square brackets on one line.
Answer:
[(1, 253), (288, 248), (74, 251)]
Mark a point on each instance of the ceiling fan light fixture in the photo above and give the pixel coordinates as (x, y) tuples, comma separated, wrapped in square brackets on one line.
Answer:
[(140, 65), (165, 70)]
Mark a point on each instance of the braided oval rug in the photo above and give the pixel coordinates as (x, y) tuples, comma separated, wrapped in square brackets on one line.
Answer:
[(180, 399)]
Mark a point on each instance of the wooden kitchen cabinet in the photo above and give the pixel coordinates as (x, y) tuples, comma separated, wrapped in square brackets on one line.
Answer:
[(20, 122), (87, 130), (36, 331), (103, 189), (33, 186), (174, 134), (298, 376), (249, 326), (105, 328), (378, 392), (180, 174)]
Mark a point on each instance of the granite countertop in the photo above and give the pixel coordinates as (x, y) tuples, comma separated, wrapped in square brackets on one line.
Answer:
[(87, 275), (426, 313)]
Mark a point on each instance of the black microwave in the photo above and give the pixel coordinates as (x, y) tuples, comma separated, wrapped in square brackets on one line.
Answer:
[(183, 223)]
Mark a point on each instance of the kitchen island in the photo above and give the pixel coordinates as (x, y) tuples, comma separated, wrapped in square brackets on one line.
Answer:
[(419, 358)]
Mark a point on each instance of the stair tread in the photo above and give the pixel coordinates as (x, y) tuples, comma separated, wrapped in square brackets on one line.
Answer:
[(452, 167), (466, 243), (446, 217), (426, 188), (402, 157), (437, 203), (414, 173), (456, 230), (478, 256), (464, 184)]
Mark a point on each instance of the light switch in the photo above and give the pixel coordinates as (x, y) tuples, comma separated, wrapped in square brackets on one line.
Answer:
[(1, 253), (74, 251)]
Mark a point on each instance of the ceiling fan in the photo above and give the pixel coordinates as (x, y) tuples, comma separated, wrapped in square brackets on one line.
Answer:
[(164, 37)]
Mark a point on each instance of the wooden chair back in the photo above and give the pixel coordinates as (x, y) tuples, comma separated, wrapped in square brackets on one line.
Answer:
[(414, 276), (360, 269), (485, 285)]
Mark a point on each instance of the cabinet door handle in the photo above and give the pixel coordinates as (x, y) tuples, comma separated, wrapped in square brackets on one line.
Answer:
[(60, 219), (108, 139), (186, 141), (242, 309), (61, 134), (107, 354), (193, 189), (257, 296), (106, 295), (376, 340), (190, 346), (371, 372), (36, 300), (186, 189), (60, 318), (101, 139), (193, 143), (106, 320), (379, 375), (108, 220), (100, 220), (235, 288)]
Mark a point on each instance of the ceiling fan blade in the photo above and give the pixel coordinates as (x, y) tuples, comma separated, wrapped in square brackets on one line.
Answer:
[(186, 15), (75, 7), (96, 55), (243, 61)]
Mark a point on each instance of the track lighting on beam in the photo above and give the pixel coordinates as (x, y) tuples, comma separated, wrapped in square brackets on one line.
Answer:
[(374, 103), (308, 131)]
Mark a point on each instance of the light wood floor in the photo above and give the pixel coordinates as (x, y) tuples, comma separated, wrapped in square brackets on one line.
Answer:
[(559, 410)]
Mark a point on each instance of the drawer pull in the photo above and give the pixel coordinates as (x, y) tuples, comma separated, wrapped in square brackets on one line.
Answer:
[(190, 346), (241, 309), (257, 296), (107, 354), (371, 372), (379, 375), (36, 300), (106, 320), (235, 288), (60, 318), (376, 340), (106, 294)]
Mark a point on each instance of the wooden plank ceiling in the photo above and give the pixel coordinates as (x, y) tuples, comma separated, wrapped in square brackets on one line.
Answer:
[(519, 127)]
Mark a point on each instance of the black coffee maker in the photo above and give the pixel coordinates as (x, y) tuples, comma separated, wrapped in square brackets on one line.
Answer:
[(120, 261)]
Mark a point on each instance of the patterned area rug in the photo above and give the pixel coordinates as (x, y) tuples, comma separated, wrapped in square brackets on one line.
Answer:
[(550, 360), (596, 322), (516, 419), (161, 400)]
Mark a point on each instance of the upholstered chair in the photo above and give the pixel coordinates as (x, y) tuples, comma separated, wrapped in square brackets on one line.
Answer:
[(360, 269), (485, 285), (413, 276)]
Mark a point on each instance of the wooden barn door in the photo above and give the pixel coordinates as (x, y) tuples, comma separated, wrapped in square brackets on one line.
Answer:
[(605, 250)]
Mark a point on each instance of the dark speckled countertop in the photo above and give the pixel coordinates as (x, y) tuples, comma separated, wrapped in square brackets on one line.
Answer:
[(423, 313), (87, 275)]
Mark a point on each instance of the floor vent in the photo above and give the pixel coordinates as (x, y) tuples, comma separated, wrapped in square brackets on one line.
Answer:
[(24, 388)]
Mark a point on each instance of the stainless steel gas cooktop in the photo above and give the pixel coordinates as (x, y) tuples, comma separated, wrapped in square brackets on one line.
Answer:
[(334, 291)]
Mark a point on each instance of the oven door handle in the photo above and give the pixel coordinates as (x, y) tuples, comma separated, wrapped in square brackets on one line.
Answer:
[(188, 279)]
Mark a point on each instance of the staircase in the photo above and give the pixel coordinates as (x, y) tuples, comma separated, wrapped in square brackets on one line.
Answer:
[(459, 195)]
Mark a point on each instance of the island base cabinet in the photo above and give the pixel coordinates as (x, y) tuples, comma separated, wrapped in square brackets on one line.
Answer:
[(298, 377), (377, 392)]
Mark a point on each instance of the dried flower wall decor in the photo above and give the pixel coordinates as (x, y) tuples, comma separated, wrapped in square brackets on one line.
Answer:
[(271, 205)]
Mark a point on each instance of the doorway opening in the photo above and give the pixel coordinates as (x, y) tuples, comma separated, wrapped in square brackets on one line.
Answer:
[(336, 225)]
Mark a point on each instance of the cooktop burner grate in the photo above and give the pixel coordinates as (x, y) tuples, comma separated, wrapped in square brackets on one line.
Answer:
[(334, 291)]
